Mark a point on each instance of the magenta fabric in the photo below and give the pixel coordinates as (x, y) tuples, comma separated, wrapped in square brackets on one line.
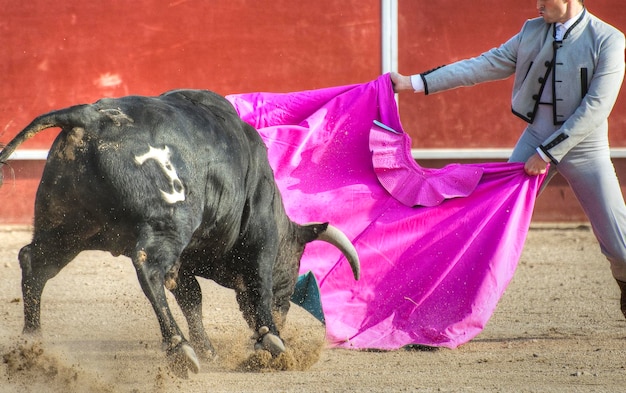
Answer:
[(409, 183), (438, 247)]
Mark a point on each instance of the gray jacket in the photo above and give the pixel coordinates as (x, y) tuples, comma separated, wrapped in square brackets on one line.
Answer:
[(588, 72)]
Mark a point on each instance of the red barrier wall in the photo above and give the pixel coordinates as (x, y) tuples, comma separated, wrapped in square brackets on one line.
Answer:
[(55, 54), (443, 31), (436, 33)]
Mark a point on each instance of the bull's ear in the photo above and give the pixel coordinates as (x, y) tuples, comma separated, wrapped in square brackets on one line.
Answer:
[(309, 232)]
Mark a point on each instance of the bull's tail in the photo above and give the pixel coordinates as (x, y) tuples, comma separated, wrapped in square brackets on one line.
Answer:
[(65, 119)]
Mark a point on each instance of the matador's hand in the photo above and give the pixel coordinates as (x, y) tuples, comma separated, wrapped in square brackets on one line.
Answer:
[(400, 82), (535, 165)]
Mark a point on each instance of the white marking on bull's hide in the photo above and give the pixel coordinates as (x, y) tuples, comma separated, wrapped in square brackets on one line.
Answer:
[(162, 157)]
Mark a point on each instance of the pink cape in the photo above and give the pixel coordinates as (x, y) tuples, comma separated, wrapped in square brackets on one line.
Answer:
[(437, 247)]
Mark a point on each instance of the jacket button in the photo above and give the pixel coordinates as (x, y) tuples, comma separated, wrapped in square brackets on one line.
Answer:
[(540, 80), (547, 63), (535, 97)]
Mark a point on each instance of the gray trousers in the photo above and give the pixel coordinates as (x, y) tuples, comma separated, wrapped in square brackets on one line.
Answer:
[(590, 173)]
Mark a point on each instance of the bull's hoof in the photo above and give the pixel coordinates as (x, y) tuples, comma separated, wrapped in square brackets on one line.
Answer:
[(182, 358), (269, 342), (205, 352)]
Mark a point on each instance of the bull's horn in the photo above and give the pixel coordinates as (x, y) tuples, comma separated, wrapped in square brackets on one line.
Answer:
[(334, 236)]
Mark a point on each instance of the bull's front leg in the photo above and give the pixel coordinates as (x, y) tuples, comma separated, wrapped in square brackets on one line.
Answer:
[(151, 275), (188, 294), (254, 295)]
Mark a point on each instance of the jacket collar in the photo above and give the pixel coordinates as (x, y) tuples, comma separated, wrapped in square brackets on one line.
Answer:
[(570, 24)]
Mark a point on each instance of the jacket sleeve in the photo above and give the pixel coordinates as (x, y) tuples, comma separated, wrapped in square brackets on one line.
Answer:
[(495, 64), (596, 105)]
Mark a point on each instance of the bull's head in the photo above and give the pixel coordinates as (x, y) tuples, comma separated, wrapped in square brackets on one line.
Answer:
[(289, 255)]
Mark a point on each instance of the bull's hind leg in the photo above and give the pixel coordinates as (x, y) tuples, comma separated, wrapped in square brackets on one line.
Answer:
[(188, 294), (152, 261), (39, 262)]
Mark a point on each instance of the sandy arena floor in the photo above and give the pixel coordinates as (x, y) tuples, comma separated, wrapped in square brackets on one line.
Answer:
[(558, 328)]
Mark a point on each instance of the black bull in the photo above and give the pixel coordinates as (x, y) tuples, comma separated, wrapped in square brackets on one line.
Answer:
[(183, 187)]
